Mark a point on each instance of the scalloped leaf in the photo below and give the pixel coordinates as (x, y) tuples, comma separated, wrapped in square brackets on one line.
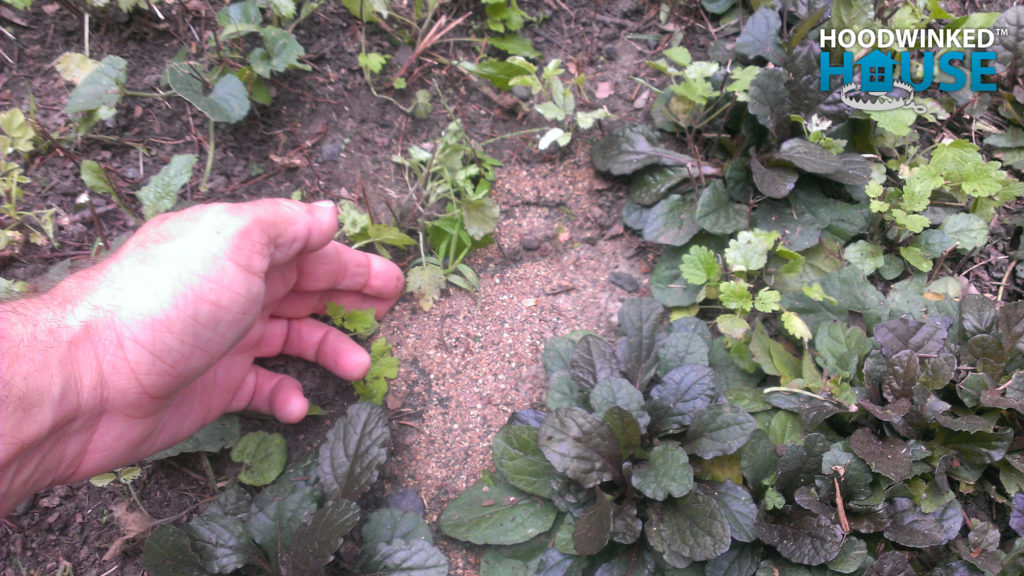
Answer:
[(520, 461), (355, 449), (681, 393), (691, 528), (404, 558), (227, 102), (103, 86), (666, 472), (593, 359), (160, 194), (717, 213), (913, 528), (262, 456), (167, 553), (718, 430), (580, 446), (316, 541), (800, 535), (496, 514), (640, 323)]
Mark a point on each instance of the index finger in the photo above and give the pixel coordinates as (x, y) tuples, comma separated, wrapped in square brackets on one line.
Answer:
[(338, 267)]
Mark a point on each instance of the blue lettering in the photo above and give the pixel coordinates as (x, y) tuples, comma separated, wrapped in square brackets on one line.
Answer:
[(946, 66), (827, 70), (905, 74), (978, 68)]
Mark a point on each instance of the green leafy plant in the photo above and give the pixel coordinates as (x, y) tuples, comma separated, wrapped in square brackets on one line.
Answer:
[(383, 368), (617, 473), (360, 230), (276, 52), (504, 15), (956, 188), (786, 166), (359, 323), (452, 185), (160, 193), (262, 456), (296, 524), (383, 365), (126, 478), (746, 286), (17, 142), (664, 451), (553, 99)]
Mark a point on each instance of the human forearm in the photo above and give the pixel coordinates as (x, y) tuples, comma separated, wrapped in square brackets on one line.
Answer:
[(39, 393)]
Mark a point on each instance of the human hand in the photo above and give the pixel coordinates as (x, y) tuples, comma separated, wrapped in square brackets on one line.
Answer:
[(159, 339)]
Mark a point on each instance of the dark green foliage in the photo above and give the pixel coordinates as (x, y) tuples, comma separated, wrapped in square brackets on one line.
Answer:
[(294, 526), (625, 496), (789, 477)]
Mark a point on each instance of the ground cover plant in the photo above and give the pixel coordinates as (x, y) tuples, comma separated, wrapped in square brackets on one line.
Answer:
[(812, 314), (296, 524), (823, 425), (891, 454)]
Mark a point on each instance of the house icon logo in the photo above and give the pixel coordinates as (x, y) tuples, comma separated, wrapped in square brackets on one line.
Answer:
[(878, 88), (876, 72)]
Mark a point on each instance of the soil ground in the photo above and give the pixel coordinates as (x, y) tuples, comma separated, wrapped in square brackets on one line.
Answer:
[(467, 364)]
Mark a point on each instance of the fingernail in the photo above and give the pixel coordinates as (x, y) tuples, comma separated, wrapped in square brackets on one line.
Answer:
[(324, 204)]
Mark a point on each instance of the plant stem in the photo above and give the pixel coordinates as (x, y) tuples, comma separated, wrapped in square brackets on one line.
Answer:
[(114, 191), (145, 94), (211, 478), (99, 226), (135, 498), (210, 147), (514, 134)]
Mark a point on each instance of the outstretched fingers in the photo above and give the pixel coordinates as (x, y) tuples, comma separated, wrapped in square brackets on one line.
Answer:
[(339, 267), (300, 304), (335, 273), (314, 341)]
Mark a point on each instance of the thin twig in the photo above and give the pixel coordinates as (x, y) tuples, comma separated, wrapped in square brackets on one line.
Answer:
[(210, 146), (98, 224), (436, 32), (982, 263), (1006, 278)]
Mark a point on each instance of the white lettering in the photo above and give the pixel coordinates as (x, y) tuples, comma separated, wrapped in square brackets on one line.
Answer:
[(866, 38), (827, 38), (986, 38), (886, 38), (905, 38), (847, 39), (952, 39)]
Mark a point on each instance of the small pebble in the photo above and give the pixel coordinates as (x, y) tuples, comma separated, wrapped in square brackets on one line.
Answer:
[(624, 281), (530, 243)]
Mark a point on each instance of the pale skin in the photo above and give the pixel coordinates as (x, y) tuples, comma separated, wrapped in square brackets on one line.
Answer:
[(136, 353)]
